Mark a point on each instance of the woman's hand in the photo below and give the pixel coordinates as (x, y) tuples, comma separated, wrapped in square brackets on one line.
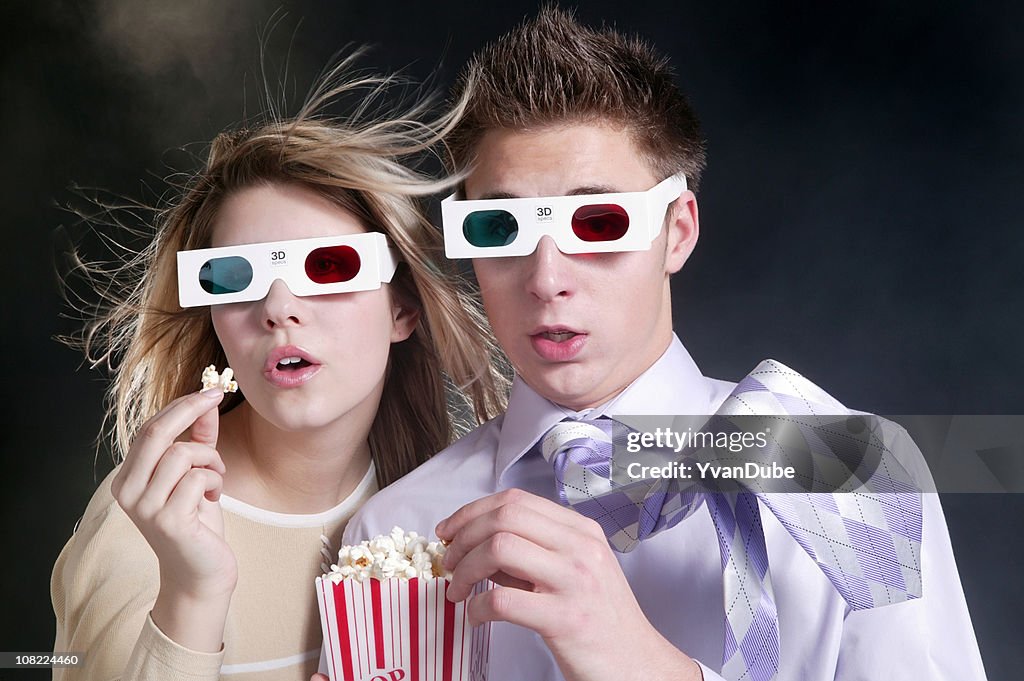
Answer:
[(169, 487)]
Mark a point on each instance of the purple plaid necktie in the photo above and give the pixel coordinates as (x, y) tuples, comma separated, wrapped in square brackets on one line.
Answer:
[(868, 545)]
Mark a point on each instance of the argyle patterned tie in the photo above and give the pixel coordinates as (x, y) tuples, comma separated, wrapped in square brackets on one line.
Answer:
[(867, 544)]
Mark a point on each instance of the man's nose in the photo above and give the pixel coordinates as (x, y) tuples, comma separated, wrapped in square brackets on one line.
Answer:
[(549, 275)]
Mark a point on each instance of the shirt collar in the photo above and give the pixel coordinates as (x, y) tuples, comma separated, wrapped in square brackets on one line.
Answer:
[(672, 385)]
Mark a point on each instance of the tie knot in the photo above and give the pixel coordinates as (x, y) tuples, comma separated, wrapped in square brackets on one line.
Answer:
[(572, 432)]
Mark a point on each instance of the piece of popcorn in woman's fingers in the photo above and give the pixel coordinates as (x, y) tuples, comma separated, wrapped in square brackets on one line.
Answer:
[(226, 383), (211, 379)]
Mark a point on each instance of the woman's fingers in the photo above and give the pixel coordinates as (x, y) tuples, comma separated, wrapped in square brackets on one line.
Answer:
[(157, 435), (178, 459), (190, 491), (168, 486), (204, 429)]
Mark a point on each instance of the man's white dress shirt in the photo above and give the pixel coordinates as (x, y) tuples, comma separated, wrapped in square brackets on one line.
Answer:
[(677, 575)]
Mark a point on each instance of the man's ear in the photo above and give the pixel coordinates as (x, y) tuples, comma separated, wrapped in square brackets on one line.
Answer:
[(683, 229), (404, 318)]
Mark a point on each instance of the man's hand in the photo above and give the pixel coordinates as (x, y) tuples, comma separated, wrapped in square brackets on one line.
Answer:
[(559, 578)]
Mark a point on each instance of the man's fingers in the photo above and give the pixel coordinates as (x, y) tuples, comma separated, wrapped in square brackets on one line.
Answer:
[(536, 611), (515, 518), (509, 554), (504, 579)]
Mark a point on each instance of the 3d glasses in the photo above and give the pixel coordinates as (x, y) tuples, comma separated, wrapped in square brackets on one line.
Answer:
[(587, 223), (310, 267)]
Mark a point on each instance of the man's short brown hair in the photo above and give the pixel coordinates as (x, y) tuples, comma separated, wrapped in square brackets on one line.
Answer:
[(552, 70)]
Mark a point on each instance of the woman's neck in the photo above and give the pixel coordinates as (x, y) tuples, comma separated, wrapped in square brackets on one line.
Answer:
[(292, 472)]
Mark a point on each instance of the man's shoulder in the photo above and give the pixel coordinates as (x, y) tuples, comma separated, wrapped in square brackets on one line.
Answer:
[(472, 451), (718, 390), (460, 473)]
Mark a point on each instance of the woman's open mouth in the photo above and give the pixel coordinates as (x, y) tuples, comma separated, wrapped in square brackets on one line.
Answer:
[(290, 366)]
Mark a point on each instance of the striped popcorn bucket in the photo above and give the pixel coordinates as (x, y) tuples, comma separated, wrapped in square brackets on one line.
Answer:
[(400, 630)]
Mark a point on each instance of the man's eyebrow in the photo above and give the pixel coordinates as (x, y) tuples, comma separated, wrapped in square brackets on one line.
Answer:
[(578, 191), (592, 189)]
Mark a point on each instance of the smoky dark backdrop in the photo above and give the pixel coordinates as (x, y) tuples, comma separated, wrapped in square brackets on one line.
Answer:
[(860, 211)]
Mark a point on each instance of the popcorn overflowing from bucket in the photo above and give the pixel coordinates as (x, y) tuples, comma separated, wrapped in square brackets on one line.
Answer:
[(398, 554)]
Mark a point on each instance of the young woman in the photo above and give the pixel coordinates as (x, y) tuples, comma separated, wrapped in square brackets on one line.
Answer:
[(195, 558)]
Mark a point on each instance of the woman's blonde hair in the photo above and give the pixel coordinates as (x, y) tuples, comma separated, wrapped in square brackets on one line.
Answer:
[(448, 369)]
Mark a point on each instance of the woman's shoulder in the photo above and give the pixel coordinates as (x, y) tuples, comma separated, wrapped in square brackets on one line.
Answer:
[(102, 501), (105, 540), (103, 584), (104, 520)]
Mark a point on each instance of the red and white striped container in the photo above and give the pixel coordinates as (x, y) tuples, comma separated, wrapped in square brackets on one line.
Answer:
[(400, 630)]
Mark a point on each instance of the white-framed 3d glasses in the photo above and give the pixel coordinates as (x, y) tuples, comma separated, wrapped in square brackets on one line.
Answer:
[(586, 223), (310, 267)]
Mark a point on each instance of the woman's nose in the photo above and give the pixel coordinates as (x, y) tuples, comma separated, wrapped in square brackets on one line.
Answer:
[(281, 307)]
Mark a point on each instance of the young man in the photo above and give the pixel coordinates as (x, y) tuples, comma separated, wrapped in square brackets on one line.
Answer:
[(556, 109)]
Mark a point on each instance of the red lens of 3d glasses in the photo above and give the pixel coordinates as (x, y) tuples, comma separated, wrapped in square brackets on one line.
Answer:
[(600, 222), (332, 264)]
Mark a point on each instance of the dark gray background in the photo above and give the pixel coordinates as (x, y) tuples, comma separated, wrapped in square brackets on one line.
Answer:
[(860, 212)]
